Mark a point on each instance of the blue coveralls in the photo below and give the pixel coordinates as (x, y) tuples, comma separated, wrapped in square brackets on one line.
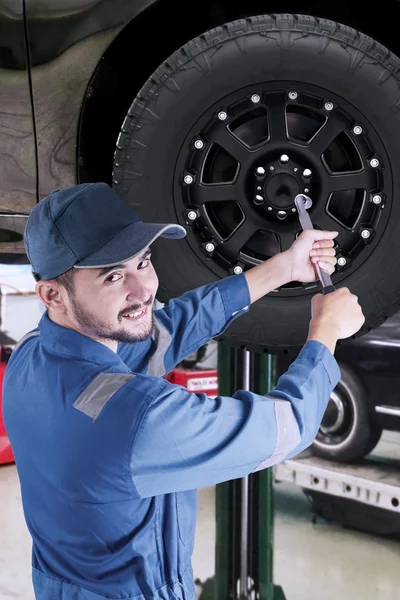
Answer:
[(110, 454)]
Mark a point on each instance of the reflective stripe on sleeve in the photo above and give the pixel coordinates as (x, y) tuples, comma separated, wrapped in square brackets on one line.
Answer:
[(287, 436)]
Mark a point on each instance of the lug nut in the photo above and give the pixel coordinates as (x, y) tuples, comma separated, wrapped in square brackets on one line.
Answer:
[(188, 179), (342, 261), (284, 158), (282, 214), (259, 188), (269, 207), (192, 215), (255, 98), (258, 199), (210, 247), (357, 130), (377, 199), (306, 190), (294, 210), (260, 171), (222, 115), (307, 173), (374, 162), (328, 105), (293, 95), (199, 144), (365, 234), (237, 270)]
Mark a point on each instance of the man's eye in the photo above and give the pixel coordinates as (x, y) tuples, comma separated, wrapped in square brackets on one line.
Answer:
[(144, 263), (114, 277)]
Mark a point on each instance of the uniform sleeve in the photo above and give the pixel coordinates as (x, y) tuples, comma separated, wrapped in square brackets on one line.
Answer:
[(187, 441), (191, 321)]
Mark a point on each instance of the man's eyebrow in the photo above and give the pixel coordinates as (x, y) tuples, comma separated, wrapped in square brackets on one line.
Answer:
[(106, 270)]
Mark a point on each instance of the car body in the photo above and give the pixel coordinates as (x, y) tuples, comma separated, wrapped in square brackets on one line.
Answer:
[(63, 72)]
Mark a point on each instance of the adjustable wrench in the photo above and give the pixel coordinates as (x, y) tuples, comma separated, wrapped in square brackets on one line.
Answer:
[(303, 203)]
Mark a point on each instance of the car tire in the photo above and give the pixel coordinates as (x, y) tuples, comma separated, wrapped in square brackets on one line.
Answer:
[(251, 94), (347, 433)]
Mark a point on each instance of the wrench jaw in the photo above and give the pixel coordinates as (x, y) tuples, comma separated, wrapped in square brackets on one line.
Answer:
[(301, 200)]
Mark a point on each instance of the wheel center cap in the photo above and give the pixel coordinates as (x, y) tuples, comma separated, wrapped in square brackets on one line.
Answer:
[(281, 189)]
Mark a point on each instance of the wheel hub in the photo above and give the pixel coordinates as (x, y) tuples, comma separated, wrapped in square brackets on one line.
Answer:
[(334, 417), (277, 184), (281, 189)]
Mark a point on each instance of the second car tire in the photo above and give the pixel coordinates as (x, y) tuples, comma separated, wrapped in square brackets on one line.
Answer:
[(347, 433)]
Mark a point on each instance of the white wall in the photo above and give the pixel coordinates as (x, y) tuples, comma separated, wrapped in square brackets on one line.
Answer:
[(20, 314), (21, 308)]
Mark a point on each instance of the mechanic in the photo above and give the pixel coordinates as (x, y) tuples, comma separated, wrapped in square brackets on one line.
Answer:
[(110, 454)]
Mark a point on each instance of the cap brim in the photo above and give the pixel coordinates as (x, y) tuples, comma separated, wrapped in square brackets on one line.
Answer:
[(129, 243)]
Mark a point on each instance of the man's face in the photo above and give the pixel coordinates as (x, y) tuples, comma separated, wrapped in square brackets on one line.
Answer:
[(115, 303)]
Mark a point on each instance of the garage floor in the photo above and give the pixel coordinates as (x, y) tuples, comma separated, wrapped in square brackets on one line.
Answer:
[(312, 562)]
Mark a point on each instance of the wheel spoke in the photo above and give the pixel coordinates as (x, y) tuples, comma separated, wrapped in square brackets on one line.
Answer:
[(349, 181), (327, 134), (239, 237), (328, 223), (221, 136), (277, 117), (286, 239), (215, 193)]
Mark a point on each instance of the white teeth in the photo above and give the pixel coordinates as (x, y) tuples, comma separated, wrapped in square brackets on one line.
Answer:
[(135, 314)]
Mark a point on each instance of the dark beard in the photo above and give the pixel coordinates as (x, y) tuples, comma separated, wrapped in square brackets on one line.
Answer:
[(95, 328)]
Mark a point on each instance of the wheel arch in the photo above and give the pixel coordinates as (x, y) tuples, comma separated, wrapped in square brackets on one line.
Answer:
[(111, 91)]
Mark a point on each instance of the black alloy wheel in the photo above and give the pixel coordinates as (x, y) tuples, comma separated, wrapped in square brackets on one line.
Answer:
[(242, 166)]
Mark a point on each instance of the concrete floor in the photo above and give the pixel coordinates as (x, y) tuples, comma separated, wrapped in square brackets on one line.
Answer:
[(311, 561)]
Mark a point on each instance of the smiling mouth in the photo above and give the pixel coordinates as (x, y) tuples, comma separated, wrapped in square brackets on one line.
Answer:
[(136, 315)]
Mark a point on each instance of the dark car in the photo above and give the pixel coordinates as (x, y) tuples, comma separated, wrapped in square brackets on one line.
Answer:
[(215, 115), (367, 398)]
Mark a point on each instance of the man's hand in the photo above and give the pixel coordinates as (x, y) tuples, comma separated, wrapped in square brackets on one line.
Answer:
[(296, 264), (310, 248), (336, 316)]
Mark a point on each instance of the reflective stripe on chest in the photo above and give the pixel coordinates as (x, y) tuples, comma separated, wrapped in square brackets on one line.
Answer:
[(93, 399)]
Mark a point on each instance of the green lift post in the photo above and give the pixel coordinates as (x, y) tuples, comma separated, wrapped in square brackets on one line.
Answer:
[(244, 507)]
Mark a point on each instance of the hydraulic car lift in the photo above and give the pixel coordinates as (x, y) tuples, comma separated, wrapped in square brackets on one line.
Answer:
[(244, 507), (365, 495), (371, 482)]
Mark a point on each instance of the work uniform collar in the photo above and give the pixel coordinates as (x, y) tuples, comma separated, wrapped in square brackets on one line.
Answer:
[(61, 340)]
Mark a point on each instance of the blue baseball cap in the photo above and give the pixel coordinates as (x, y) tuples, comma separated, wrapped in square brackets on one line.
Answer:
[(87, 226)]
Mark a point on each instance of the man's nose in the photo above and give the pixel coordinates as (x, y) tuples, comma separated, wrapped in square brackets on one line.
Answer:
[(138, 292)]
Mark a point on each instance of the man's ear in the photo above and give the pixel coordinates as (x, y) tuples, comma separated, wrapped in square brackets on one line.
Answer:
[(51, 294)]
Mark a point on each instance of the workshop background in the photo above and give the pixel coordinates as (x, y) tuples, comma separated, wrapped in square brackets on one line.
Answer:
[(218, 124)]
